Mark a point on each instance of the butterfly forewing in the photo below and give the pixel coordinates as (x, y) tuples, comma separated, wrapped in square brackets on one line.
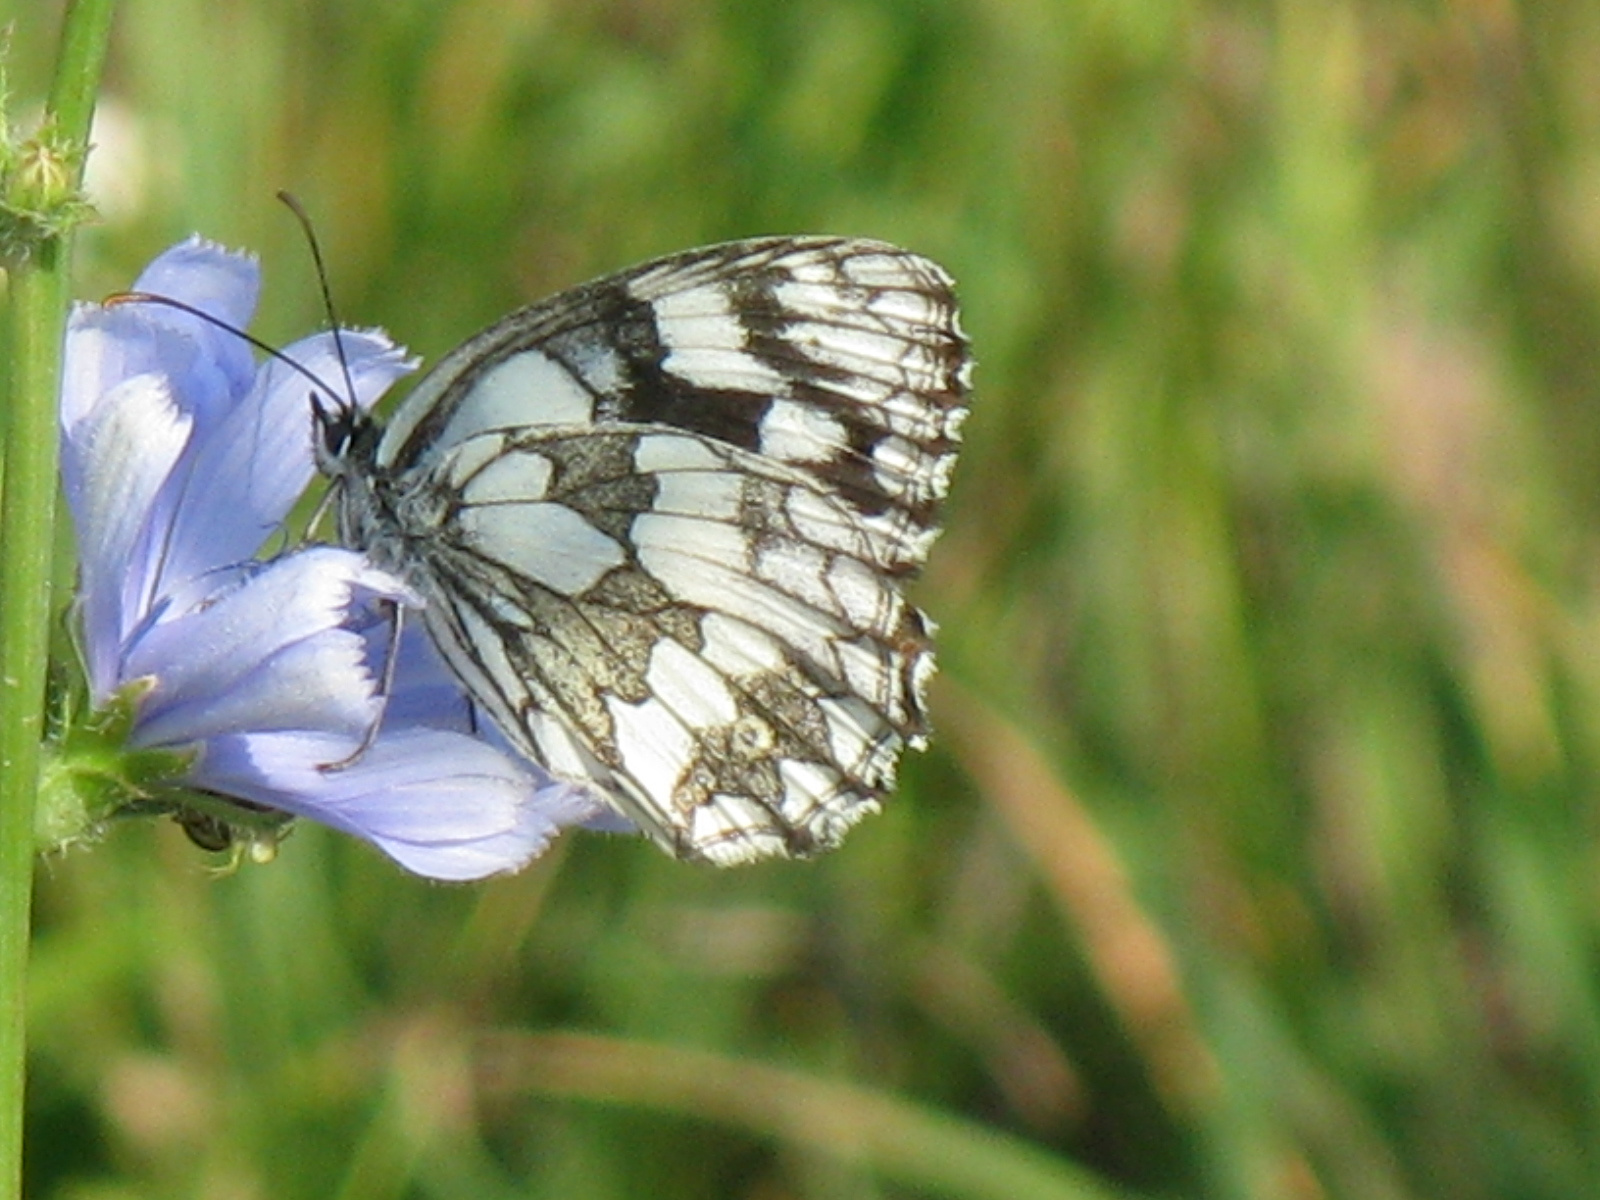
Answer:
[(661, 523)]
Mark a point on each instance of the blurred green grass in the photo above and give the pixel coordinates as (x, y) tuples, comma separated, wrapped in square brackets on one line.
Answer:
[(1257, 855)]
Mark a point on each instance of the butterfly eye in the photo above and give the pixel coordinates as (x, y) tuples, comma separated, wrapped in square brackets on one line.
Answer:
[(335, 428)]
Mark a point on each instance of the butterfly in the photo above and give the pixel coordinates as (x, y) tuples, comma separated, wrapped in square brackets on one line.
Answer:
[(662, 523)]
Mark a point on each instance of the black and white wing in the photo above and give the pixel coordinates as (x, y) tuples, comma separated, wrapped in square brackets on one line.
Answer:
[(662, 523)]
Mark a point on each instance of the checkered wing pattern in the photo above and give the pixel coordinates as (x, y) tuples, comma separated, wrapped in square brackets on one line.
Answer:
[(662, 523)]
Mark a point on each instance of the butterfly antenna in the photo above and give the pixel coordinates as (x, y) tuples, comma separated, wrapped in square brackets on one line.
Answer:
[(293, 205)]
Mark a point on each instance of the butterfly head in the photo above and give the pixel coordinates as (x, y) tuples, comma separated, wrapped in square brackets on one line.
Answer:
[(341, 434)]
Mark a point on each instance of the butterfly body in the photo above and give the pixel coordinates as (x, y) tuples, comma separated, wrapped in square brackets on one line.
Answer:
[(661, 524)]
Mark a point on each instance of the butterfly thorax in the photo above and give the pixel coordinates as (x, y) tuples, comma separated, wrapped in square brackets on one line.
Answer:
[(346, 445)]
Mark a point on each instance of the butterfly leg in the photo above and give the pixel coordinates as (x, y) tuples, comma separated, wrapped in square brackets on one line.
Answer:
[(394, 616), (329, 495)]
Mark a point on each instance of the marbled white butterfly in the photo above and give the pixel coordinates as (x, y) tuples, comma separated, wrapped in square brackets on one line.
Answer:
[(661, 523)]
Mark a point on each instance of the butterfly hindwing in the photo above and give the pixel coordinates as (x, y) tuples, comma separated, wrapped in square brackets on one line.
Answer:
[(662, 523)]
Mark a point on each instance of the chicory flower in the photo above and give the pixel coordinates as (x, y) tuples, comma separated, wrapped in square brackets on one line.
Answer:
[(181, 457)]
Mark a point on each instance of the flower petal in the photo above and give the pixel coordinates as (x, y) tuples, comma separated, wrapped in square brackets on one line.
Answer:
[(375, 362), (424, 691), (441, 804), (220, 282), (107, 346), (115, 461), (273, 653)]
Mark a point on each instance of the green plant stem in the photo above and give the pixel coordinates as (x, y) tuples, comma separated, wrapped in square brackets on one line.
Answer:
[(39, 291), (85, 33)]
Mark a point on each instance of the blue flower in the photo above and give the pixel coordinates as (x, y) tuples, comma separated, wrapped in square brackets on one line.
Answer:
[(181, 458)]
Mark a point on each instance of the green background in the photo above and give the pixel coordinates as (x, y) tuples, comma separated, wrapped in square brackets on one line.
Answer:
[(1256, 856)]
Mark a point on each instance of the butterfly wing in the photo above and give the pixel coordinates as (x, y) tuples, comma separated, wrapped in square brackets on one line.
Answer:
[(663, 521)]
